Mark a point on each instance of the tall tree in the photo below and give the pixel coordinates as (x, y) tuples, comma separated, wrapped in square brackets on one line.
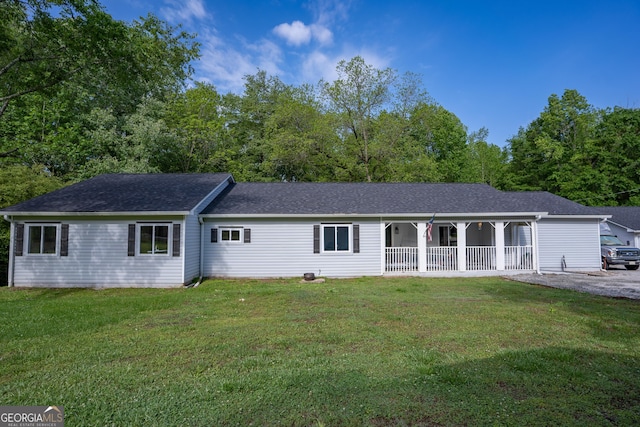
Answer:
[(73, 49), (358, 94), (300, 140), (443, 136), (554, 153), (486, 162), (618, 157), (199, 117)]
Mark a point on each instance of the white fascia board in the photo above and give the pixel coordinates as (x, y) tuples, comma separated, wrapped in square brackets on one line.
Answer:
[(219, 188), (427, 215), (96, 214), (599, 217), (628, 230)]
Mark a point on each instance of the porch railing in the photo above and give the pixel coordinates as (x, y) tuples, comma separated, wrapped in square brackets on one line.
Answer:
[(402, 259), (518, 257), (442, 258), (481, 257), (445, 258)]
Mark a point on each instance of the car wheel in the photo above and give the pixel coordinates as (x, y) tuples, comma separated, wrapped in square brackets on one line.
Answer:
[(605, 266), (631, 267)]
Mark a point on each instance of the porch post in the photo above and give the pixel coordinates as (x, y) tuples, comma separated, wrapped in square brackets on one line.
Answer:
[(534, 242), (499, 232), (462, 246), (383, 248), (422, 247)]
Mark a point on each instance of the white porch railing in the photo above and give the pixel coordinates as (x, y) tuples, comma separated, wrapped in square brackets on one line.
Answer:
[(518, 257), (442, 258), (481, 257), (445, 258), (402, 259)]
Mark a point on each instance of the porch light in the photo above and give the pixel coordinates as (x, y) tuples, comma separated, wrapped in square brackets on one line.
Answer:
[(479, 226), (397, 230)]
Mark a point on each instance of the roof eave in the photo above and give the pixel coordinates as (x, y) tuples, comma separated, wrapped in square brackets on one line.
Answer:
[(427, 215), (582, 216), (96, 214)]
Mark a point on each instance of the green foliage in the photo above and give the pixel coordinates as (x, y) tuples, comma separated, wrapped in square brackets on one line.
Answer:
[(578, 152), (67, 58), (618, 157), (442, 135), (369, 351), (19, 183)]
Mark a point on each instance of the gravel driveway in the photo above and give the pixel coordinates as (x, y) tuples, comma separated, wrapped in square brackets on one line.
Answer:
[(616, 282)]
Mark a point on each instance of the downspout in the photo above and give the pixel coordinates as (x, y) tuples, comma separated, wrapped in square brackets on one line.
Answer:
[(10, 264)]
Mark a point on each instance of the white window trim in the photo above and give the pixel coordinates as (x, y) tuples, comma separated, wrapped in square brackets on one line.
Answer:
[(27, 238), (231, 229), (169, 226), (349, 239)]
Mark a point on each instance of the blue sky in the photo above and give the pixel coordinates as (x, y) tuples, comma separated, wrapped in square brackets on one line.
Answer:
[(491, 63)]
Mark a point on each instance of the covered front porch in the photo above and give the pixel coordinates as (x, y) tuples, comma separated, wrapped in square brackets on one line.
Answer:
[(460, 246)]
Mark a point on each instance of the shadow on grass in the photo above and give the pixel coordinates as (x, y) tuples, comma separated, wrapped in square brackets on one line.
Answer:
[(611, 319), (554, 386)]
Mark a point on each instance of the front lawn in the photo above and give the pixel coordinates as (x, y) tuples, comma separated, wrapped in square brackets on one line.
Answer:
[(369, 351)]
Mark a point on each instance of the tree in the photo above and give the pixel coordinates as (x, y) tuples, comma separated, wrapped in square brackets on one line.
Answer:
[(555, 152), (141, 143), (73, 49), (486, 162), (359, 93), (198, 117), (300, 141), (441, 135), (19, 183), (618, 157)]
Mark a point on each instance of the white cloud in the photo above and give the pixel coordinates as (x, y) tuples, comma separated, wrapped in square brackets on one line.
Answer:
[(298, 34), (295, 34), (322, 34), (318, 65), (182, 11), (226, 66)]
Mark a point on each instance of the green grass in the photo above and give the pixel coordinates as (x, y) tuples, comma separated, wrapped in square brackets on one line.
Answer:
[(368, 351)]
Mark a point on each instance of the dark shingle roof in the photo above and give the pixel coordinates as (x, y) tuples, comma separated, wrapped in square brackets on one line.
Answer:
[(112, 193), (627, 216), (543, 201), (382, 198)]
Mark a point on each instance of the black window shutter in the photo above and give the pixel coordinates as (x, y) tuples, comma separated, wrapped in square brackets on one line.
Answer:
[(19, 240), (247, 235), (316, 239), (64, 240), (176, 240), (131, 248), (356, 238), (214, 235)]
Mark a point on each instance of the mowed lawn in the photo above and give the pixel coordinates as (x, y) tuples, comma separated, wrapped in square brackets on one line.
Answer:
[(370, 351)]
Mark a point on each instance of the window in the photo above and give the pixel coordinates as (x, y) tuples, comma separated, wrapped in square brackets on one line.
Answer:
[(335, 238), (448, 235), (230, 235), (154, 239), (42, 239)]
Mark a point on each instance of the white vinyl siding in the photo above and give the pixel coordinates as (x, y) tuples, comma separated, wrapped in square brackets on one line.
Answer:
[(191, 244), (97, 257), (626, 237), (285, 248), (191, 236), (575, 240)]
